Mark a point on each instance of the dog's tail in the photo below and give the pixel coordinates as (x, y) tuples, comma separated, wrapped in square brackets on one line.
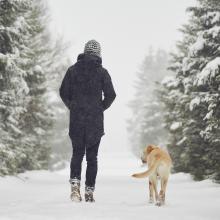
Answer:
[(148, 172)]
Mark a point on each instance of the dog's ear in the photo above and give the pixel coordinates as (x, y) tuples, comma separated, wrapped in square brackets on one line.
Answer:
[(149, 148)]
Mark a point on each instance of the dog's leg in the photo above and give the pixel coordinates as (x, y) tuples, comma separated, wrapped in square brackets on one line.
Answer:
[(154, 183), (163, 190), (151, 192)]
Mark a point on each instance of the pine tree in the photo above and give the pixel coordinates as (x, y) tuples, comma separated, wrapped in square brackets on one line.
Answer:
[(47, 65), (13, 87), (192, 97), (146, 125), (29, 62), (37, 122)]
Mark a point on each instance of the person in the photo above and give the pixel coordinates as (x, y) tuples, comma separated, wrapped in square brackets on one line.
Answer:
[(87, 91)]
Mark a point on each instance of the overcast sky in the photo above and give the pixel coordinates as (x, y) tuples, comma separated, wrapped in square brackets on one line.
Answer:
[(125, 29)]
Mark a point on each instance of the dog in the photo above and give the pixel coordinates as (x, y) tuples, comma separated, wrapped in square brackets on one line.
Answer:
[(159, 165)]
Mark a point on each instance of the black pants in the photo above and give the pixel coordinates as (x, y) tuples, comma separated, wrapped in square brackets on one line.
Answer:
[(91, 158)]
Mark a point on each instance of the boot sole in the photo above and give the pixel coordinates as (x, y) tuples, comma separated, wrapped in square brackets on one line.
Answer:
[(76, 200)]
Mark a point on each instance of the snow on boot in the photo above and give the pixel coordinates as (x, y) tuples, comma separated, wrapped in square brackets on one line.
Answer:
[(75, 190), (89, 194)]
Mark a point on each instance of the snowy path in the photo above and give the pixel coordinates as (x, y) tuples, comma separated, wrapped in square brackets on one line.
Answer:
[(45, 195)]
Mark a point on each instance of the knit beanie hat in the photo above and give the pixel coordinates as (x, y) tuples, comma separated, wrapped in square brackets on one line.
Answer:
[(93, 47)]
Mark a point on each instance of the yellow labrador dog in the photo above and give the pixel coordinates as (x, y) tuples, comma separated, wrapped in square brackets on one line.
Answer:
[(159, 165)]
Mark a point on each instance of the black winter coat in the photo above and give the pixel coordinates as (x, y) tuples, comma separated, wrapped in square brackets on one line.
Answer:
[(82, 91)]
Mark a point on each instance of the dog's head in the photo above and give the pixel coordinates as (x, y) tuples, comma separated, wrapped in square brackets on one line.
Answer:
[(147, 150)]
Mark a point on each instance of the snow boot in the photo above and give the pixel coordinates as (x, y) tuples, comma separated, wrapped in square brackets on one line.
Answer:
[(75, 190), (89, 194)]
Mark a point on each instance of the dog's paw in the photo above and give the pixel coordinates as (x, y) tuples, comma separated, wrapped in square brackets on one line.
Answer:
[(158, 203), (151, 201)]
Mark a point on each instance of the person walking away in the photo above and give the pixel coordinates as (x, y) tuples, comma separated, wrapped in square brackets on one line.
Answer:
[(87, 91)]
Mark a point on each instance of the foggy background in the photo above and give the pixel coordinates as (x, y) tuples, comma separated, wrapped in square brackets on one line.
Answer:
[(126, 31)]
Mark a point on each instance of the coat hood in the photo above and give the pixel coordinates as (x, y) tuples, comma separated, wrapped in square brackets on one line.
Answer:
[(89, 59)]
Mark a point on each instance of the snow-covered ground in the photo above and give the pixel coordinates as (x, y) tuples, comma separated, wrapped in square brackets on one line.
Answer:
[(40, 195)]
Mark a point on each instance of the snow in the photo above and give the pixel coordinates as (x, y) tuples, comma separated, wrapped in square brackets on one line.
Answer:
[(208, 115), (214, 32), (198, 45), (186, 64), (20, 22), (45, 195), (170, 81), (12, 120), (175, 126), (38, 69), (23, 87), (14, 128), (2, 57), (194, 102), (187, 84), (213, 16), (209, 72), (39, 130), (181, 141)]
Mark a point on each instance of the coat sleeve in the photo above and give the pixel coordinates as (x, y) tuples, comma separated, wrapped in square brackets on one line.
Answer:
[(108, 91), (65, 88)]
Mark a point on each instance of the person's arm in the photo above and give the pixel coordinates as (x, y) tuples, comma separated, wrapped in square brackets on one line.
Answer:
[(108, 90), (65, 88)]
